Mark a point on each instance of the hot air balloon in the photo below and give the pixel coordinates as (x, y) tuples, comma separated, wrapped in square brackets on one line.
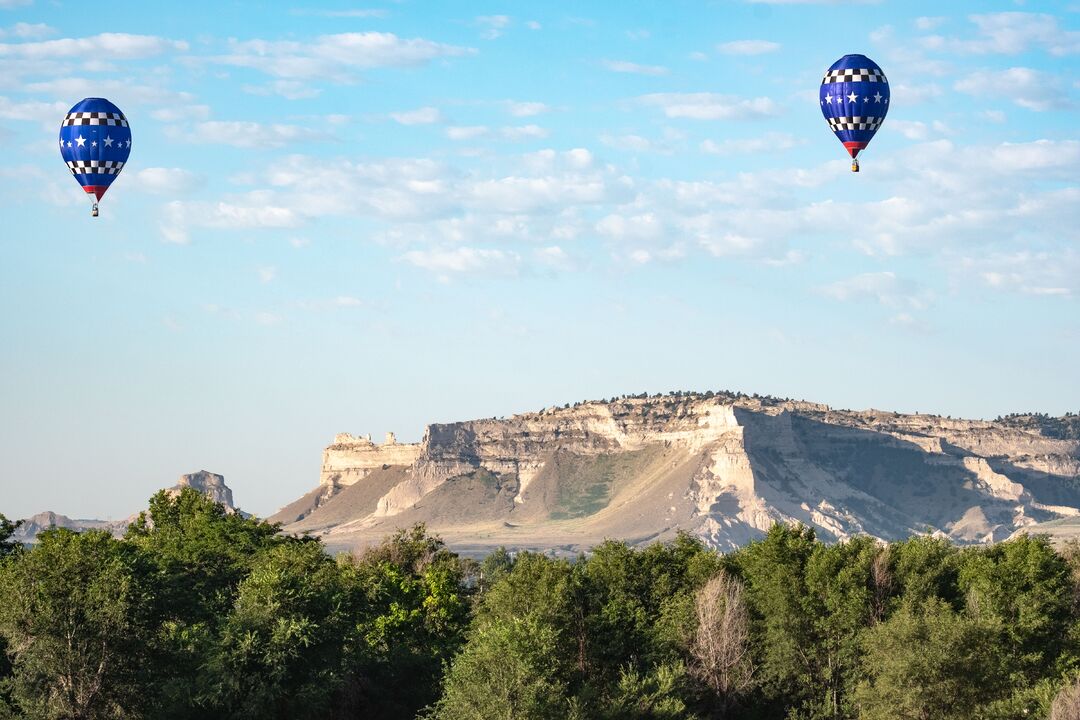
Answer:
[(854, 100), (95, 141)]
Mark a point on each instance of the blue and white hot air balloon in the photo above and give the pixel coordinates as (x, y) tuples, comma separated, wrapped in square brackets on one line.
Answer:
[(854, 100), (95, 141)]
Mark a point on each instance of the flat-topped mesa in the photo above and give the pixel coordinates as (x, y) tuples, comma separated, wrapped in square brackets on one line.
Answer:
[(351, 458)]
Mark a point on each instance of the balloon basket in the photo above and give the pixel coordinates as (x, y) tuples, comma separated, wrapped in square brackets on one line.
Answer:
[(854, 166), (94, 211)]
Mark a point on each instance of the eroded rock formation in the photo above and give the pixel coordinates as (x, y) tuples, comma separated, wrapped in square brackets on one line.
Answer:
[(725, 467)]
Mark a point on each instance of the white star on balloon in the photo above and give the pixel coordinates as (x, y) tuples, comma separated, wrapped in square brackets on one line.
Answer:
[(828, 99), (877, 97), (81, 140), (108, 142), (853, 97)]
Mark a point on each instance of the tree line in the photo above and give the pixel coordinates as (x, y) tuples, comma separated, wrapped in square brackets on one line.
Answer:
[(201, 613)]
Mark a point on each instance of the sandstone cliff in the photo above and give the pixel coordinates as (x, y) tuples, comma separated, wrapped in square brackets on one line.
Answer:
[(722, 466)]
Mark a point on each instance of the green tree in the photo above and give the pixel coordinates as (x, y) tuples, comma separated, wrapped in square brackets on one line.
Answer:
[(782, 617), (7, 529), (200, 552), (74, 611), (658, 694), (927, 662), (505, 673), (1026, 588), (411, 613), (281, 648)]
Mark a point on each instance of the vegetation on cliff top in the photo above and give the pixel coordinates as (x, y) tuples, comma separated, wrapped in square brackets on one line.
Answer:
[(201, 613)]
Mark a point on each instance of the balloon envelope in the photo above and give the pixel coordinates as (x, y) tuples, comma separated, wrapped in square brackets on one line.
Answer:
[(95, 141), (854, 100)]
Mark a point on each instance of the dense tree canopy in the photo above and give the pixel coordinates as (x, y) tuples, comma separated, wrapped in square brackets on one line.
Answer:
[(198, 612)]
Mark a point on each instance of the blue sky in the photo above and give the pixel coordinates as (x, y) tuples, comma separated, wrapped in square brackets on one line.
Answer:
[(370, 217)]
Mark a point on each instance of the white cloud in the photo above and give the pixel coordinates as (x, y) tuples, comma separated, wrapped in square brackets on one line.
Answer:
[(267, 273), (911, 129), (928, 23), (27, 31), (711, 106), (492, 25), (1042, 273), (185, 113), (124, 92), (420, 116), (244, 134), (7, 4), (167, 181), (466, 132), (355, 13), (526, 109), (634, 228), (524, 132), (883, 287), (747, 47), (1011, 33), (633, 143), (288, 89), (1025, 87), (335, 57), (533, 25), (814, 2), (33, 110), (770, 143), (464, 260), (250, 212), (106, 46), (623, 66)]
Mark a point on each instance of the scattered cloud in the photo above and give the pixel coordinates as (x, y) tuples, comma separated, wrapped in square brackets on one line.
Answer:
[(467, 132), (1040, 273), (884, 288), (288, 89), (623, 66), (1011, 33), (188, 113), (335, 57), (1025, 87), (747, 47), (929, 23), (167, 181), (252, 211), (770, 143), (420, 116), (492, 25), (355, 13), (106, 46), (267, 273), (51, 113), (461, 260), (27, 31), (711, 106), (526, 109), (244, 134)]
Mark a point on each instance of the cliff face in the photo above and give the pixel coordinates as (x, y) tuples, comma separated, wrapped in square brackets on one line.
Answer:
[(723, 467)]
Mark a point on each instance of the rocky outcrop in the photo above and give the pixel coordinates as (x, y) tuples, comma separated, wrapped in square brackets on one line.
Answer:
[(210, 484), (725, 467), (349, 459)]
